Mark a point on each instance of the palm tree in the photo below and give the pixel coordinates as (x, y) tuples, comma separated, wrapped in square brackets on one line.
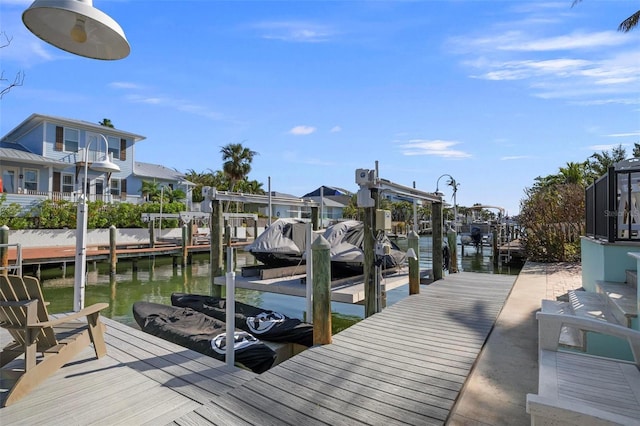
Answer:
[(599, 162), (237, 162), (573, 173), (150, 190), (106, 123), (625, 26)]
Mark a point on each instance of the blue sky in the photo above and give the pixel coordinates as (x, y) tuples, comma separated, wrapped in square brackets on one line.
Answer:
[(493, 93)]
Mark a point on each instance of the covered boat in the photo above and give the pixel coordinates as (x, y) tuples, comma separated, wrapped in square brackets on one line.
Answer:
[(201, 333), (281, 244), (347, 248), (264, 324), (284, 244)]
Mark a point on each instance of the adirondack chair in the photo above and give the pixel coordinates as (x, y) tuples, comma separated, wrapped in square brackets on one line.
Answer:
[(23, 313)]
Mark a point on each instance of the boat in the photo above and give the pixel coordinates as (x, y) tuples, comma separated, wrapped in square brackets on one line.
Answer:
[(201, 333), (264, 324), (283, 243), (346, 240)]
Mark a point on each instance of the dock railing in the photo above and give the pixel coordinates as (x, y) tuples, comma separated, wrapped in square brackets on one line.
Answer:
[(612, 204)]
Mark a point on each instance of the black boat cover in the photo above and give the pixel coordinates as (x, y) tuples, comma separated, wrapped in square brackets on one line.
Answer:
[(201, 333), (262, 323)]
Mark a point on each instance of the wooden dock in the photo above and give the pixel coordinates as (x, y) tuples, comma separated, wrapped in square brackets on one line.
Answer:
[(405, 365)]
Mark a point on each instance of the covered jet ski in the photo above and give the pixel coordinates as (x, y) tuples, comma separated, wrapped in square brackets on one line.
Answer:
[(264, 324), (201, 333), (347, 248), (281, 244)]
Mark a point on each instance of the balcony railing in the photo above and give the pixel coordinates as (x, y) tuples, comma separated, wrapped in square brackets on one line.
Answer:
[(613, 203)]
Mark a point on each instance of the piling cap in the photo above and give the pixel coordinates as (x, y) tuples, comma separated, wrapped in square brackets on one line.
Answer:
[(320, 243)]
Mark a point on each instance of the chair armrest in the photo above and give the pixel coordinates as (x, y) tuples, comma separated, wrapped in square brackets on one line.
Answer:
[(549, 326), (89, 310)]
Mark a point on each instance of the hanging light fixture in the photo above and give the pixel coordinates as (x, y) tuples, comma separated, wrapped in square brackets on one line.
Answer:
[(77, 27)]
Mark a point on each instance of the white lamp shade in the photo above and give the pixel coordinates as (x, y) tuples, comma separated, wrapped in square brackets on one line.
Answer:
[(105, 166), (53, 20)]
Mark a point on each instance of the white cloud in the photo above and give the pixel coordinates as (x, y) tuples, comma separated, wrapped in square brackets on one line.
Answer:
[(604, 147), (124, 85), (587, 68), (302, 130), (438, 148), (515, 157), (336, 129), (624, 135), (177, 104), (293, 31)]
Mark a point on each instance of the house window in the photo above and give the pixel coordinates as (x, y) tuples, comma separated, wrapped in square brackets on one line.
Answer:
[(71, 140), (67, 183), (114, 147), (30, 179), (115, 187)]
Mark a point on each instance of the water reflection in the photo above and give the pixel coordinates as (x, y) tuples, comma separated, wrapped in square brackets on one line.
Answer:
[(154, 279)]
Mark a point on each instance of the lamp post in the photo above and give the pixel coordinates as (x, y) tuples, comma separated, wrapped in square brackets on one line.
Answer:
[(103, 166), (454, 184)]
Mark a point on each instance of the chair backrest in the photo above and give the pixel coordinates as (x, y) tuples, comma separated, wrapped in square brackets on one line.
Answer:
[(13, 289)]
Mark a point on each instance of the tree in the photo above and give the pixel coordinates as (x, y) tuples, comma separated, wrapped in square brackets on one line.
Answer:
[(599, 162), (573, 173), (625, 26), (150, 190), (553, 220), (237, 162), (106, 123), (18, 80), (636, 150)]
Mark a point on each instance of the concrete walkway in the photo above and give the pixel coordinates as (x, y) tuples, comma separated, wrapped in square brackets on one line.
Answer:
[(507, 368)]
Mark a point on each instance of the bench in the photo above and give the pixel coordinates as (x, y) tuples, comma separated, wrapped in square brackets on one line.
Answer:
[(575, 388)]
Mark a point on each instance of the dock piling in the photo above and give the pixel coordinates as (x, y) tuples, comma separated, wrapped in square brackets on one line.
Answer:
[(321, 291), (413, 241), (4, 249), (437, 241), (113, 257)]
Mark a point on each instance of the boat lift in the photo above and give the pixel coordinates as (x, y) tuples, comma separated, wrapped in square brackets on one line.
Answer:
[(371, 186)]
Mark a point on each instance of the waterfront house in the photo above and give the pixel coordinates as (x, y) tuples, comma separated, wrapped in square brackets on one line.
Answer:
[(332, 202), (44, 158)]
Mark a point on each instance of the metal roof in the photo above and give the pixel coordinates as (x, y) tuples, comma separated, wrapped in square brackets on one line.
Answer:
[(34, 119), (157, 171), (24, 156)]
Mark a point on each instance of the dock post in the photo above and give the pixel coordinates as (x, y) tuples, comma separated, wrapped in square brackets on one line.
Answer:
[(4, 249), (494, 242), (413, 241), (437, 241), (321, 291), (152, 236), (315, 218), (452, 238), (371, 295), (113, 257), (185, 239), (215, 247)]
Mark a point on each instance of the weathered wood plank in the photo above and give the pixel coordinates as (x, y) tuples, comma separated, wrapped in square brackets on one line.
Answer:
[(344, 398)]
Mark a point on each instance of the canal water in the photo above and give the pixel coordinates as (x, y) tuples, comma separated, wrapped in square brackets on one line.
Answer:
[(156, 279)]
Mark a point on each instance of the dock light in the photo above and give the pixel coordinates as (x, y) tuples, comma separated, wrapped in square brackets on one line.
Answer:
[(77, 27), (102, 166)]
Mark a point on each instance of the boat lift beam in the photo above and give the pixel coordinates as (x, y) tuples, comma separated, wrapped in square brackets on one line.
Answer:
[(211, 193)]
